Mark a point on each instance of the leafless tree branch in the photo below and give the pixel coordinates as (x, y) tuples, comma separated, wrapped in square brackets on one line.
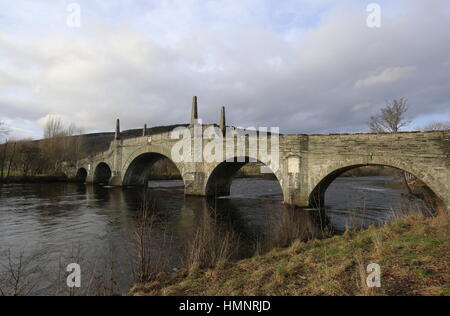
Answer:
[(392, 117), (437, 126)]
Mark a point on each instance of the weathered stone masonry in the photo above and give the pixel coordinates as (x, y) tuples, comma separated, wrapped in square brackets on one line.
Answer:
[(308, 163)]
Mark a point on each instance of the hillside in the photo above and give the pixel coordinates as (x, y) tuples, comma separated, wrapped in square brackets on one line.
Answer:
[(98, 142)]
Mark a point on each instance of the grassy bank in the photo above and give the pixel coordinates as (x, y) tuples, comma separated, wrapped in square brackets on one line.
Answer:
[(414, 255)]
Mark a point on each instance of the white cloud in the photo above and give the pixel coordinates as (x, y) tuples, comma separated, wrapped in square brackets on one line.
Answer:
[(389, 75), (361, 106)]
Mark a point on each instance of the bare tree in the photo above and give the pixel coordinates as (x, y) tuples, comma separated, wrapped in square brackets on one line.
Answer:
[(437, 126), (60, 144), (11, 159), (392, 117), (53, 127), (44, 157), (28, 158), (3, 153), (20, 275)]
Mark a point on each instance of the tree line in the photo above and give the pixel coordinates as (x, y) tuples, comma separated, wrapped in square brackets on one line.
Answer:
[(25, 157)]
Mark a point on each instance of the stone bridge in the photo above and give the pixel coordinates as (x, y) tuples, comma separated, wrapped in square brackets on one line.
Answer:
[(307, 164)]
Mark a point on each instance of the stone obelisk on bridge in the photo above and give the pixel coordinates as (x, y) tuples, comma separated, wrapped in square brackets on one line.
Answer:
[(307, 163)]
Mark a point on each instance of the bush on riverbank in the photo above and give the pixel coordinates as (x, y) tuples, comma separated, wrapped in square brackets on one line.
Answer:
[(413, 253)]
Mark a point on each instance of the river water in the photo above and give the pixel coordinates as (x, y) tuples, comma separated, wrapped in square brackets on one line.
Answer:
[(52, 225)]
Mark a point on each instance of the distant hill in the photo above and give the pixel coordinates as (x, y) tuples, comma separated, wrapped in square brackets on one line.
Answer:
[(98, 142)]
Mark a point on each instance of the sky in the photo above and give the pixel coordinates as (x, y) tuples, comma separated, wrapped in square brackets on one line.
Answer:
[(305, 66)]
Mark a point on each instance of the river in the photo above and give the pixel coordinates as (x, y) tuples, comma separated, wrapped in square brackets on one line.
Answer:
[(56, 224)]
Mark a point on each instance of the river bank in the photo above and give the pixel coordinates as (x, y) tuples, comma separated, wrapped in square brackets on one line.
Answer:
[(34, 179), (413, 252)]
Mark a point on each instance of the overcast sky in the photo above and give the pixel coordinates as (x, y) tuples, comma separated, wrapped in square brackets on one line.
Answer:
[(306, 66)]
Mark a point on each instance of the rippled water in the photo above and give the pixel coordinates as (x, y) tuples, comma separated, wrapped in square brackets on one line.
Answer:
[(64, 222)]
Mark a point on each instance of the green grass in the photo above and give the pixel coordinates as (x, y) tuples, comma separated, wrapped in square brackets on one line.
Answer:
[(414, 255)]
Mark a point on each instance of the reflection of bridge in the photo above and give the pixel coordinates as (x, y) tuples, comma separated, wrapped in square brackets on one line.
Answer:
[(307, 163)]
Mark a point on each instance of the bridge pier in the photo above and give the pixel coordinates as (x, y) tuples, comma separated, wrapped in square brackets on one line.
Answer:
[(90, 178), (116, 179), (194, 183), (307, 163), (296, 197)]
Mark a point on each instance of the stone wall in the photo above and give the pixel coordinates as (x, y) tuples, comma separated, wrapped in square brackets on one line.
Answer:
[(308, 163)]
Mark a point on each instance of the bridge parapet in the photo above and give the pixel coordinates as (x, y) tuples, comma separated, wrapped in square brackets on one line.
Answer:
[(306, 164)]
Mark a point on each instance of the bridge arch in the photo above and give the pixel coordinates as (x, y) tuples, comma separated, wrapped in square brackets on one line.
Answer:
[(324, 179), (219, 179), (138, 168), (81, 175), (102, 173)]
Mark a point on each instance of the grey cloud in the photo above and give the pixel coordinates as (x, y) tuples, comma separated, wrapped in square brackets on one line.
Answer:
[(264, 80)]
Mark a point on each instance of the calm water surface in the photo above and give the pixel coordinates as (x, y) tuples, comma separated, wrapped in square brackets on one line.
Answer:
[(62, 223)]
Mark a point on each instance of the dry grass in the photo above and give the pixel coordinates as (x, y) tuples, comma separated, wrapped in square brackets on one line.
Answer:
[(212, 243), (19, 276), (413, 252), (147, 259), (292, 225)]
